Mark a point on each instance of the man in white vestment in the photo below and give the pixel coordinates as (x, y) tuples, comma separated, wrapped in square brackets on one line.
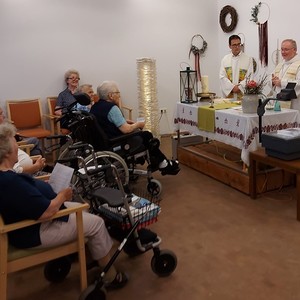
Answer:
[(235, 68), (288, 71)]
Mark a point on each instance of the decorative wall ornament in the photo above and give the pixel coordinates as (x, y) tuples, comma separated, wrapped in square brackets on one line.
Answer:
[(262, 32), (254, 13), (254, 65), (242, 37), (276, 55), (198, 49), (228, 10), (147, 94)]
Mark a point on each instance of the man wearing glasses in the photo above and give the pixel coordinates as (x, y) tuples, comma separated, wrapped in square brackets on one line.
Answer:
[(111, 120), (235, 68), (288, 71)]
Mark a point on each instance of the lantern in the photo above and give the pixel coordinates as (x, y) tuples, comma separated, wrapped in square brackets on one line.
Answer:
[(188, 86)]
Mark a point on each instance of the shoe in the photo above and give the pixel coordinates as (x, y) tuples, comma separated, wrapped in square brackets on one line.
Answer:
[(120, 281), (172, 168)]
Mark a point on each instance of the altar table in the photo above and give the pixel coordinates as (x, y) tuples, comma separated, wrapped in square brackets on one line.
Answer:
[(233, 127)]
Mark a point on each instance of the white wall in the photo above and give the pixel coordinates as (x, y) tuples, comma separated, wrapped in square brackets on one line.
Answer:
[(102, 39), (41, 39)]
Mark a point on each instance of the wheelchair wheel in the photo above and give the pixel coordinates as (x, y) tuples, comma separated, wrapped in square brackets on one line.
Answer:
[(154, 187), (57, 270), (108, 157), (164, 263), (93, 292)]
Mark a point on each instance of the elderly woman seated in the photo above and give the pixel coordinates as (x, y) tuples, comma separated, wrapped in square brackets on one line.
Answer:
[(26, 164), (41, 202)]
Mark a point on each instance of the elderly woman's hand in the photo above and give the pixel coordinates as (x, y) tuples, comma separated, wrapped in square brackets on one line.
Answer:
[(40, 163), (66, 194)]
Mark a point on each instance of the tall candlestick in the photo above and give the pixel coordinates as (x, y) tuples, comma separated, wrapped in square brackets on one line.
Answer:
[(205, 86)]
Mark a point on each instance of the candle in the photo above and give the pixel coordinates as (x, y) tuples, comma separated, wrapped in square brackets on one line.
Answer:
[(204, 82)]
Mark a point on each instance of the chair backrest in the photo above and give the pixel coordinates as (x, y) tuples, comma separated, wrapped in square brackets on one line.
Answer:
[(25, 114), (52, 104)]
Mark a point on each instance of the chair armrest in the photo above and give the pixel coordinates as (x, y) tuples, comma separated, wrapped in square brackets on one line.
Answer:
[(45, 177), (25, 147), (127, 108), (23, 143), (22, 224), (35, 157), (51, 117)]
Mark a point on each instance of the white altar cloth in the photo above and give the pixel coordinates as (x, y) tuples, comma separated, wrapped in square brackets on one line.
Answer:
[(233, 127)]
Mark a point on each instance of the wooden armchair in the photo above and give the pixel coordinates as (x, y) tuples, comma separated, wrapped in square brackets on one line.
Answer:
[(26, 115), (52, 117), (25, 147), (13, 260), (127, 111), (54, 124)]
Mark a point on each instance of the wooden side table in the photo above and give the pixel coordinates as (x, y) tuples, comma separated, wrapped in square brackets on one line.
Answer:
[(260, 156)]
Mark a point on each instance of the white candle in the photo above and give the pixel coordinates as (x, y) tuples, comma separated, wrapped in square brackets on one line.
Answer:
[(204, 82)]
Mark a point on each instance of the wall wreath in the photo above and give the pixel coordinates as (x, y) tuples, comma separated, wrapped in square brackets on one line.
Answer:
[(234, 18)]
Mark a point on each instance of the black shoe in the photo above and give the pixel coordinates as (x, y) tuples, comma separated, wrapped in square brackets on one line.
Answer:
[(120, 281), (172, 168)]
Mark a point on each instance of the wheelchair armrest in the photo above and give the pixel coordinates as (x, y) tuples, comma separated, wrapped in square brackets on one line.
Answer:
[(124, 137)]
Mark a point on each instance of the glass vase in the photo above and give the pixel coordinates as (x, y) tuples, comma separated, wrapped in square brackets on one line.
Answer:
[(250, 103)]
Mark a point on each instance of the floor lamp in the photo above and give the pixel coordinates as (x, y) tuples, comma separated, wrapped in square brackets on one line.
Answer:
[(147, 94)]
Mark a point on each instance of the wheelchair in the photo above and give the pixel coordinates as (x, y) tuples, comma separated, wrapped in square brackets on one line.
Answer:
[(126, 151), (126, 216)]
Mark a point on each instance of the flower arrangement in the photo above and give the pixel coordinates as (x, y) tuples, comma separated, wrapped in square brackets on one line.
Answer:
[(253, 87), (254, 13)]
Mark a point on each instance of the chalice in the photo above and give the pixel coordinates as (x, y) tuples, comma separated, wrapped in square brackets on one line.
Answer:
[(211, 97)]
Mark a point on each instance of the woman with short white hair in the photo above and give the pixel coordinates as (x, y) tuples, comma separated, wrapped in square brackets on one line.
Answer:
[(23, 197)]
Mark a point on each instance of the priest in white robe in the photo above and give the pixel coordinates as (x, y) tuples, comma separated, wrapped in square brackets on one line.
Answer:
[(288, 71), (235, 68)]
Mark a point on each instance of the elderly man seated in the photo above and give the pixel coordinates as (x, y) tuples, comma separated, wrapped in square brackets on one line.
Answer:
[(111, 120)]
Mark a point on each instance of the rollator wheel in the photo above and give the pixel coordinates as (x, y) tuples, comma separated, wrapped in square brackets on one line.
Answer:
[(154, 187), (164, 263), (57, 270), (93, 292)]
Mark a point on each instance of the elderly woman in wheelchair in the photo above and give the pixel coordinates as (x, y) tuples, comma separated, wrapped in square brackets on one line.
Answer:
[(111, 120), (23, 197)]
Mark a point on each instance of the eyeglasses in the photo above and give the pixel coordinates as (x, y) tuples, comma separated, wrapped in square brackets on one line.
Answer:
[(115, 92), (73, 78), (286, 49), (235, 45)]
